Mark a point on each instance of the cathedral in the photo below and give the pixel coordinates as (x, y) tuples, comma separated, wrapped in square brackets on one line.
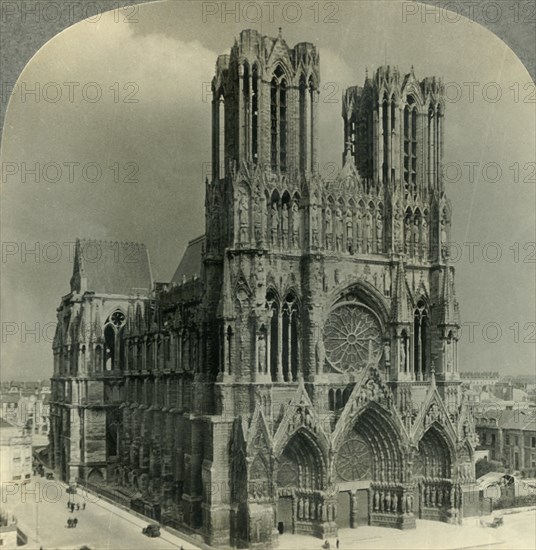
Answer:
[(299, 373)]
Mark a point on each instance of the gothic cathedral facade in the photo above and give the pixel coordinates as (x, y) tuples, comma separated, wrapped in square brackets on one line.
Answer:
[(300, 372)]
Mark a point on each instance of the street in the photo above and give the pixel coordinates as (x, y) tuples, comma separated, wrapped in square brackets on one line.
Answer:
[(41, 510)]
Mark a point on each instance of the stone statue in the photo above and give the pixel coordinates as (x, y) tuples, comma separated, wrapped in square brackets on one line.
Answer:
[(416, 237), (448, 355), (403, 354), (424, 238), (314, 225), (285, 224), (359, 231), (274, 223), (349, 232), (444, 239), (407, 236), (340, 229), (261, 351), (379, 232), (369, 231), (295, 224), (243, 216), (376, 501), (329, 227), (394, 503)]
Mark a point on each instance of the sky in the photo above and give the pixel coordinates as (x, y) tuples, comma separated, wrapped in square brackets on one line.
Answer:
[(119, 131)]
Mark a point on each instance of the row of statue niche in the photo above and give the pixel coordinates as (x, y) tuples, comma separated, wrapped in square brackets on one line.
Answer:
[(390, 502), (416, 236), (285, 225), (362, 233), (280, 220), (435, 497), (310, 509), (359, 232)]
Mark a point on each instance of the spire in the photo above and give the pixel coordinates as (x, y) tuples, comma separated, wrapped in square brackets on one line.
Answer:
[(401, 310)]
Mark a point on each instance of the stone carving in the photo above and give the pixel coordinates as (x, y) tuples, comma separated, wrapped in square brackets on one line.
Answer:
[(379, 232), (424, 238), (261, 352), (295, 225), (274, 224), (243, 216)]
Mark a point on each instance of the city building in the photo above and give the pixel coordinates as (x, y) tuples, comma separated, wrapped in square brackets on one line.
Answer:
[(479, 381), (15, 453), (299, 373), (8, 531), (26, 404), (510, 437)]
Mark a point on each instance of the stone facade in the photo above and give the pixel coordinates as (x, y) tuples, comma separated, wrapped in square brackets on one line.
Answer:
[(299, 373)]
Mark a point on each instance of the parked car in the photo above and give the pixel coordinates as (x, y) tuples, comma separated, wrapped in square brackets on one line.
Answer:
[(152, 530), (49, 475), (71, 490)]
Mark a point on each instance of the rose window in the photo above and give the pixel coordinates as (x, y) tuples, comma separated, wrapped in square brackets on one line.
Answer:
[(118, 318), (352, 337), (354, 460)]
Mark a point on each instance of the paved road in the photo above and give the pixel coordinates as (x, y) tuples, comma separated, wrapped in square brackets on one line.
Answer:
[(41, 509)]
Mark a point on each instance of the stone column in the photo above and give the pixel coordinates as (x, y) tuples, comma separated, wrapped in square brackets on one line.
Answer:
[(280, 344)]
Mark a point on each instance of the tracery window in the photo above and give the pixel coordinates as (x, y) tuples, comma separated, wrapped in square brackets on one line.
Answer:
[(113, 338), (278, 119), (283, 337), (410, 145), (420, 341), (352, 337)]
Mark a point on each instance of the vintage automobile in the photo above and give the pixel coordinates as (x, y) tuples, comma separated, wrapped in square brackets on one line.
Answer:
[(152, 530), (49, 475)]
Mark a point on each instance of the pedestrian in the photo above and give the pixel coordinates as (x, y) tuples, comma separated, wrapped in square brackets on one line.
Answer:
[(77, 507), (75, 521), (69, 523), (83, 506), (337, 543)]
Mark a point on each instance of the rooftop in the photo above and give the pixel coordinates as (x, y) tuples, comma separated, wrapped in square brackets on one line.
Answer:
[(111, 267), (192, 261)]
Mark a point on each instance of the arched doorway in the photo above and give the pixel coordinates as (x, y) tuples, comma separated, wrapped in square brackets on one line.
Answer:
[(300, 481), (368, 469), (432, 470)]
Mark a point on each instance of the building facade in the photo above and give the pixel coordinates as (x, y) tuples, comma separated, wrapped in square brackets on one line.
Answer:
[(510, 437), (15, 453), (299, 373)]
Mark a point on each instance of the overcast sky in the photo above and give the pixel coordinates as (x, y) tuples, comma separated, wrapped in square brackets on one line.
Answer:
[(165, 60)]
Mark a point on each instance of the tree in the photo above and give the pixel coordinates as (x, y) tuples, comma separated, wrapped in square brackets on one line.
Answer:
[(484, 466)]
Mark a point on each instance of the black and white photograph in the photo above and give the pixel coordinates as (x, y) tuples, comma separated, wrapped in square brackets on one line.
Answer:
[(268, 274)]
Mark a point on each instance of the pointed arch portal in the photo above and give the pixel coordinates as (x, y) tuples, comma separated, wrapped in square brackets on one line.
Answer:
[(301, 476), (432, 470)]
